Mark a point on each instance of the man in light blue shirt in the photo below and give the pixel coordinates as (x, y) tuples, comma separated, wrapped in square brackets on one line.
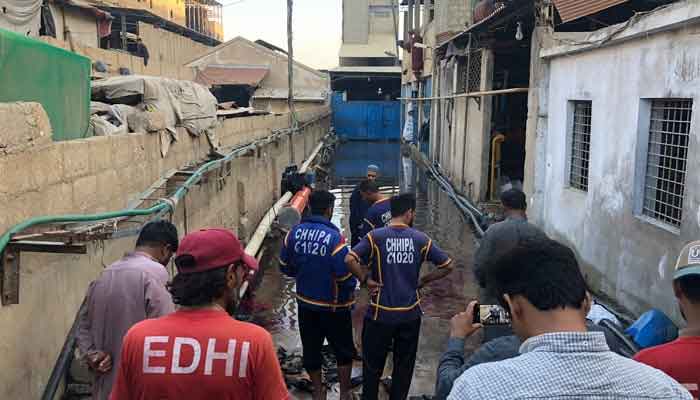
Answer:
[(540, 283)]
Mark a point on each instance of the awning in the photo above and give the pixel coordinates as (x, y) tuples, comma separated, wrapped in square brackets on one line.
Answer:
[(232, 75), (570, 10)]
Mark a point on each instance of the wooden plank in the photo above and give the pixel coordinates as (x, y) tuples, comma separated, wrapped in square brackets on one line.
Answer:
[(47, 247), (9, 267)]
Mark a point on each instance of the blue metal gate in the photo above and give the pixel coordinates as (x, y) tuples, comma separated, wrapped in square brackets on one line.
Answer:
[(366, 120)]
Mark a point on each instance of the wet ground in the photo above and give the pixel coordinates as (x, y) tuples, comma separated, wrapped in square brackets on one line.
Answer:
[(436, 215)]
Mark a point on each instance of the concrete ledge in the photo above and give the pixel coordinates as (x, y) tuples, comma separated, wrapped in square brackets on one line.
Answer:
[(24, 126), (665, 18)]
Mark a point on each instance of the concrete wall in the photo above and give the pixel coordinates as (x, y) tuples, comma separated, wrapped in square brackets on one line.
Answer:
[(451, 15), (172, 10), (626, 256), (461, 131), (279, 106), (74, 23), (355, 21), (169, 53), (240, 51), (103, 174)]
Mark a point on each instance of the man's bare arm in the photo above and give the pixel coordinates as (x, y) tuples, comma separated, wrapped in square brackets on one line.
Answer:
[(356, 268), (435, 275)]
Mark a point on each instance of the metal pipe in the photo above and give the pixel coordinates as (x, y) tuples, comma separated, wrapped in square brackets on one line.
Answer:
[(290, 215), (472, 94), (266, 223)]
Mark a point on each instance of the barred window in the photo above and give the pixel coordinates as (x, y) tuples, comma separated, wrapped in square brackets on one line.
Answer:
[(580, 145), (667, 155)]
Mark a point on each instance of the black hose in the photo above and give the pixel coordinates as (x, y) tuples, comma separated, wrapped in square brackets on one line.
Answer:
[(464, 205)]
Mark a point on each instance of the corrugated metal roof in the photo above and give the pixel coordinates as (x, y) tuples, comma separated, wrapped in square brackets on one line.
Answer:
[(225, 75), (570, 10)]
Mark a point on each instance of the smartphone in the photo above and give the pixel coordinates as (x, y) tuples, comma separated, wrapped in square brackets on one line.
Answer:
[(489, 314)]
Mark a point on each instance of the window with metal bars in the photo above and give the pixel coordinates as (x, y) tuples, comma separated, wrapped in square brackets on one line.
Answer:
[(580, 145), (667, 159)]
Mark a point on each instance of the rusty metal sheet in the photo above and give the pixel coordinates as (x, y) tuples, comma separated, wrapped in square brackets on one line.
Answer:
[(570, 10)]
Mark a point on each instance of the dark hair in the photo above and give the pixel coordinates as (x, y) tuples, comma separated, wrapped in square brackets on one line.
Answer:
[(368, 186), (542, 270), (199, 288), (514, 199), (158, 233), (402, 203), (320, 201), (690, 286)]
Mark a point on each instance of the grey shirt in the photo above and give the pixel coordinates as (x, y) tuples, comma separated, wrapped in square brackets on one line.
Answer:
[(128, 291), (500, 238)]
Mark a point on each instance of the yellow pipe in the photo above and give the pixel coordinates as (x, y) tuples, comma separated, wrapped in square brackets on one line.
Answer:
[(496, 143)]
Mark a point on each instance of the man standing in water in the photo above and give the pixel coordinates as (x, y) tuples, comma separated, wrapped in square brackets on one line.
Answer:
[(359, 207), (379, 214), (394, 254), (313, 253)]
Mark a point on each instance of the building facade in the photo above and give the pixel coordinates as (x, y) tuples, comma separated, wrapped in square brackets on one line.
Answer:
[(619, 149)]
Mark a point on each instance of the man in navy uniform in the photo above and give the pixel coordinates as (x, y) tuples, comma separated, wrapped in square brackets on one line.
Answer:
[(394, 255), (359, 207), (379, 213), (314, 253)]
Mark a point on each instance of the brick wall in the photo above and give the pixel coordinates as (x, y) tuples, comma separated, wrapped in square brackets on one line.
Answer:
[(103, 174)]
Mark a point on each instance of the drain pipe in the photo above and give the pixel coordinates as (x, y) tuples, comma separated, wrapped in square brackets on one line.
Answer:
[(261, 232), (464, 205)]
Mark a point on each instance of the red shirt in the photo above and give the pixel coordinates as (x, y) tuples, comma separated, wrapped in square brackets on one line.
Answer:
[(679, 359), (198, 354)]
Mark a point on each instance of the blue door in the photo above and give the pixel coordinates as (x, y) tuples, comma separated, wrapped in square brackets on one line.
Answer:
[(366, 120)]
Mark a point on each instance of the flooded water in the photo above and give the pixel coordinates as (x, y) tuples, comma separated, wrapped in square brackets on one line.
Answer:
[(275, 307)]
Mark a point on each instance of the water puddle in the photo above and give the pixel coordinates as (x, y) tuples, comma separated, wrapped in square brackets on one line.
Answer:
[(275, 308)]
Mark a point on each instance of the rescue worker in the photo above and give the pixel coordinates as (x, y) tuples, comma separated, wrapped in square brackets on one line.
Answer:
[(394, 254), (199, 352), (379, 214), (128, 291), (359, 207), (313, 253)]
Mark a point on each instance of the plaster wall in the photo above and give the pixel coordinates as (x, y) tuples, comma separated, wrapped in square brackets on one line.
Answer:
[(626, 256)]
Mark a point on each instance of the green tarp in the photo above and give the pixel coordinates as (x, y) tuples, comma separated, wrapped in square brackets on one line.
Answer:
[(31, 70)]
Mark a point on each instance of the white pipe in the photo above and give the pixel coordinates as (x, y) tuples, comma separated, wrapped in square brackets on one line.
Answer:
[(261, 232)]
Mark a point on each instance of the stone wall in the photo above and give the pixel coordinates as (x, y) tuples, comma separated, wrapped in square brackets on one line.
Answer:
[(104, 174)]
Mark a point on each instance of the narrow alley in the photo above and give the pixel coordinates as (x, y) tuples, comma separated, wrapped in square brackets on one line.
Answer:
[(436, 216), (381, 199)]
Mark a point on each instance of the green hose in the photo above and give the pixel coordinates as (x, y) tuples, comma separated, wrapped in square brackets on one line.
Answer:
[(165, 205), (162, 207)]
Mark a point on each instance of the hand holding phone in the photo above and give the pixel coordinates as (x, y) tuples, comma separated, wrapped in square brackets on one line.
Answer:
[(491, 314), (462, 325)]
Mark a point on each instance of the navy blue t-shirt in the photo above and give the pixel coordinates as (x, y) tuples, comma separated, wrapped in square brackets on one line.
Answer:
[(314, 254), (395, 255), (378, 216)]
